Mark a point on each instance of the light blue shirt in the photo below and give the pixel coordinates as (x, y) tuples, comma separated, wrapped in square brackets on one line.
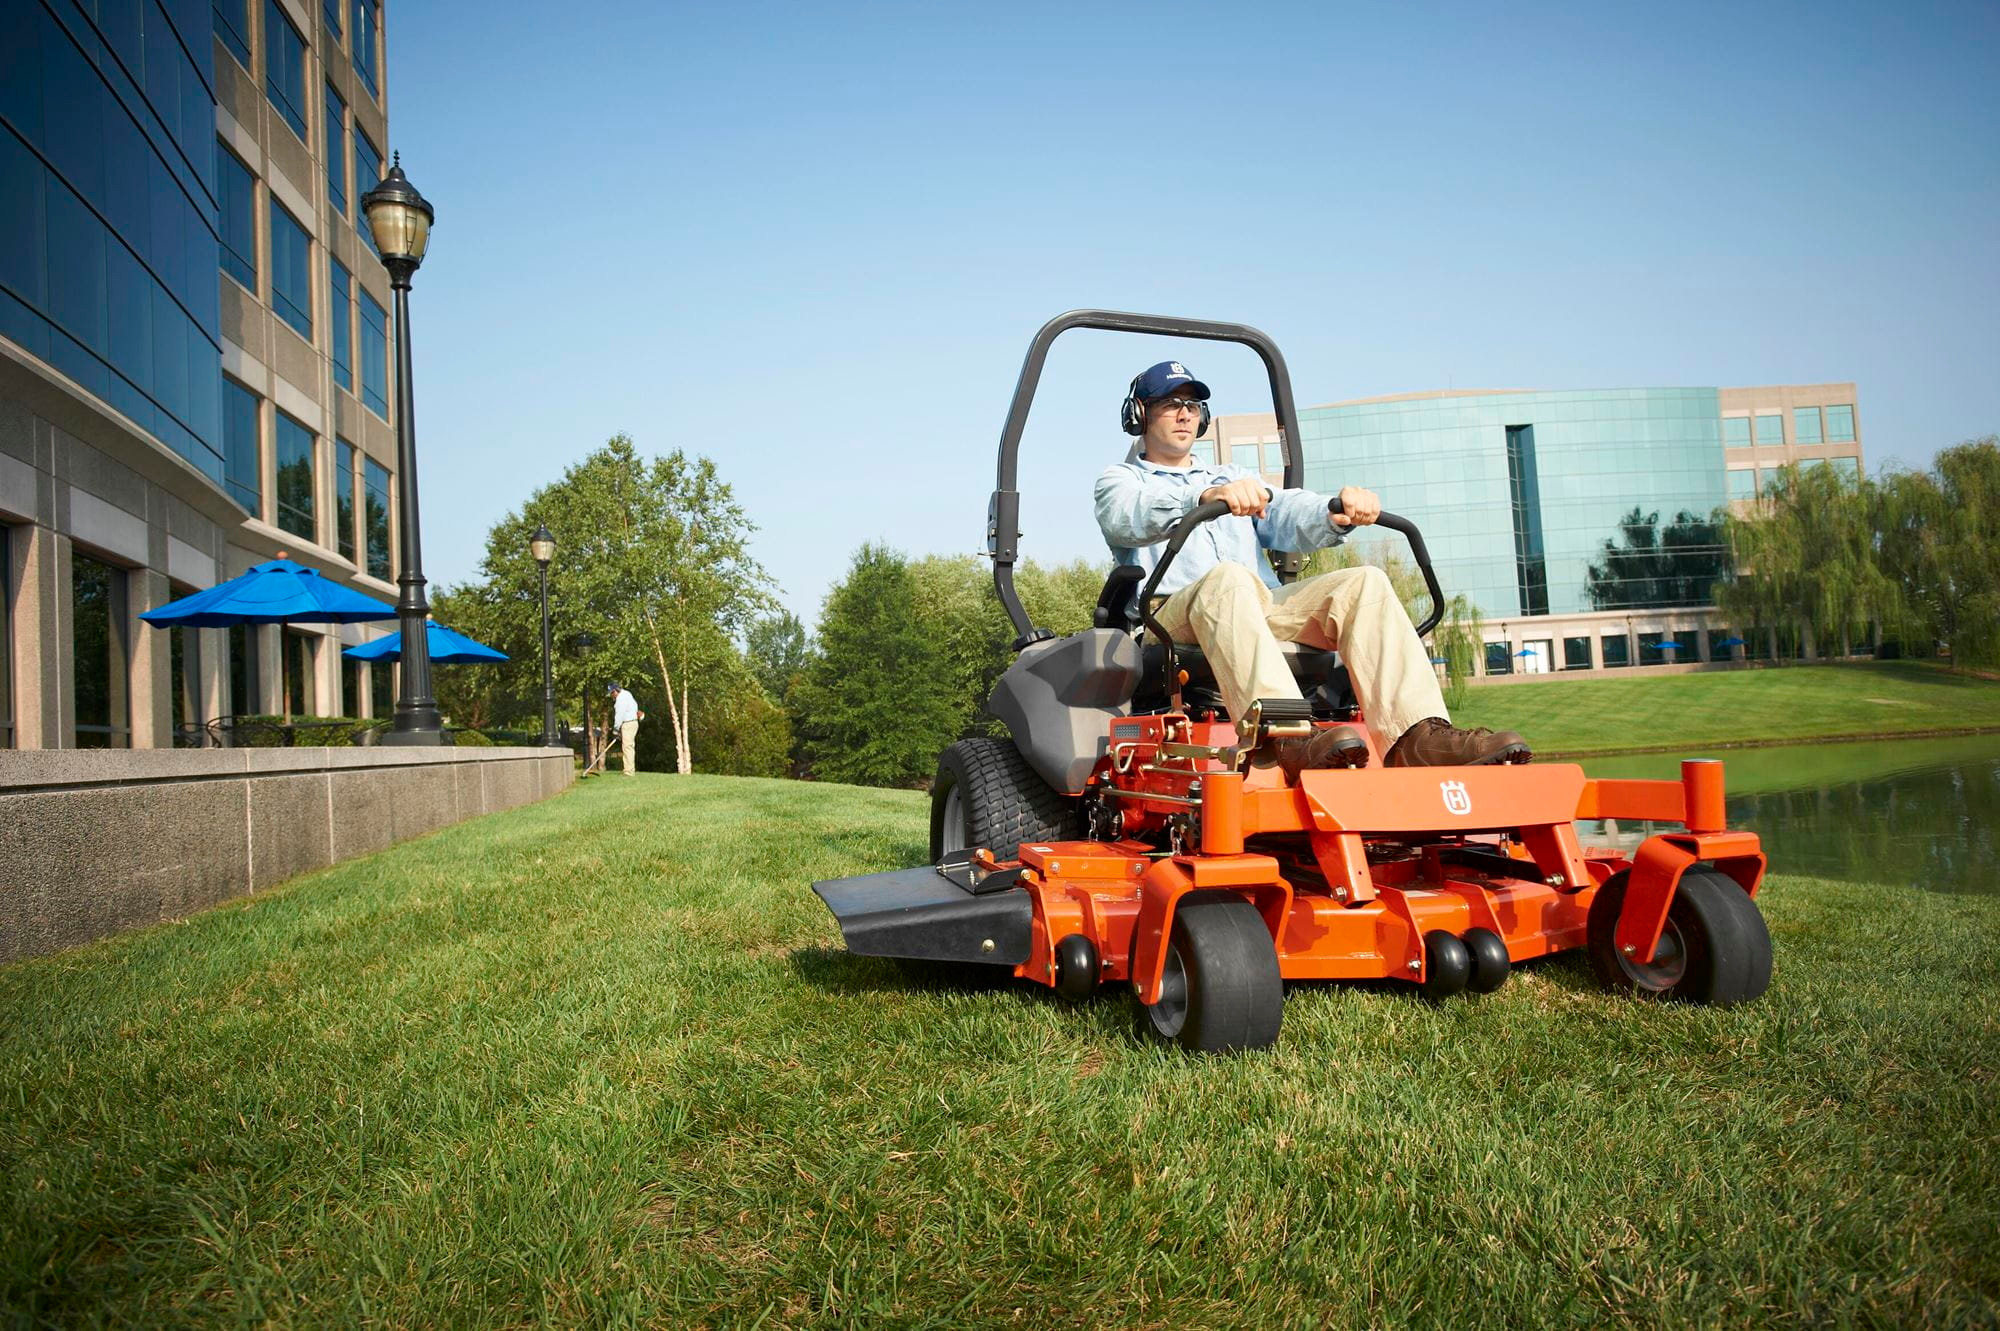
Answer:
[(1139, 501), (624, 708)]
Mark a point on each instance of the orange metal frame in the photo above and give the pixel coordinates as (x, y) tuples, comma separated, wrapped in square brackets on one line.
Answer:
[(1379, 870)]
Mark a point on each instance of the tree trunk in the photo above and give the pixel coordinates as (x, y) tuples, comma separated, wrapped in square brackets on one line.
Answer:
[(676, 709)]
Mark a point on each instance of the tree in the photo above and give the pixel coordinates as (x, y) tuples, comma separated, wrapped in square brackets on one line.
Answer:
[(1647, 567), (651, 561), (1938, 537), (1808, 562), (776, 649), (876, 706)]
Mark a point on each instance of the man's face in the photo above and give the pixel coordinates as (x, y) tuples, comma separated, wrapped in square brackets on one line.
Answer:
[(1171, 425)]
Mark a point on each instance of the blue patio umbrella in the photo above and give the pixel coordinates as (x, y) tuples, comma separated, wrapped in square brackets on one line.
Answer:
[(1730, 642), (448, 647), (1527, 651), (277, 591), (1664, 645)]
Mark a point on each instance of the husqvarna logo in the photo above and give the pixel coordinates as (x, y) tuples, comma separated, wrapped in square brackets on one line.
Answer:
[(1455, 799)]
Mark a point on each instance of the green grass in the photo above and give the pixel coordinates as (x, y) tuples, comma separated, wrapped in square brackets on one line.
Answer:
[(602, 1061), (1771, 706)]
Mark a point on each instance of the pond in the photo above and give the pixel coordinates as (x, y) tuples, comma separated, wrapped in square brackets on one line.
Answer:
[(1918, 813)]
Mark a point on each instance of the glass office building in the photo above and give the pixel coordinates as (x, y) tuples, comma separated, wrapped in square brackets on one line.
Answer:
[(188, 380)]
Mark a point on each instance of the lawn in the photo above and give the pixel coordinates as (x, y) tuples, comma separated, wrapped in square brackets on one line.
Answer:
[(601, 1060), (1862, 699)]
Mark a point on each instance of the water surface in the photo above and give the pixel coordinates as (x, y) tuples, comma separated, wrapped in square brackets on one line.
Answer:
[(1914, 813)]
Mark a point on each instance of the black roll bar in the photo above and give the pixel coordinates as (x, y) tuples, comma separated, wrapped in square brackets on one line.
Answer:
[(1003, 514)]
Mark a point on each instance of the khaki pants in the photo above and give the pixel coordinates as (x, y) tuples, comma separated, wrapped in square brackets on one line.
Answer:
[(1238, 622), (628, 743)]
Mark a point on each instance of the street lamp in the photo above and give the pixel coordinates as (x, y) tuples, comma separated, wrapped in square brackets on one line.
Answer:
[(400, 221), (543, 547)]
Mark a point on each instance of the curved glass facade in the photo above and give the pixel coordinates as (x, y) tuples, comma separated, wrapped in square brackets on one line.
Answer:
[(1542, 503), (107, 235)]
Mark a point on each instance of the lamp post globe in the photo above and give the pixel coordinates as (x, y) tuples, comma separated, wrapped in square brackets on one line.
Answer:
[(400, 220), (542, 546)]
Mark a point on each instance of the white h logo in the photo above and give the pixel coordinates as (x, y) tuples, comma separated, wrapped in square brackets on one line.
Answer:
[(1455, 799)]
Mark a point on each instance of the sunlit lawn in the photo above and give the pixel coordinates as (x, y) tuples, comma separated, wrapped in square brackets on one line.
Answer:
[(1732, 706), (601, 1060)]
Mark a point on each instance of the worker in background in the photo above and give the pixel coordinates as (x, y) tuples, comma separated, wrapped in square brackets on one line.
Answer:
[(625, 718)]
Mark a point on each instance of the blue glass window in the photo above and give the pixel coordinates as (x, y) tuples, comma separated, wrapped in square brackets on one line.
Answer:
[(1576, 654), (340, 313), (1847, 468), (374, 356), (1743, 483), (239, 445), (1244, 455), (366, 19), (343, 498), (336, 151), (285, 68), (1771, 429), (291, 271), (232, 24), (294, 456), (367, 174), (1840, 425), (1736, 431), (1616, 649), (376, 477), (237, 195), (331, 8), (1805, 425)]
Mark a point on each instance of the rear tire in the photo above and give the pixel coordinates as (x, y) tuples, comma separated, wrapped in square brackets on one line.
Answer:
[(1715, 948), (987, 796), (1221, 990)]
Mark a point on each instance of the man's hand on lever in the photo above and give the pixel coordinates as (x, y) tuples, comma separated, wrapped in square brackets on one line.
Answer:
[(1246, 498), (1355, 507)]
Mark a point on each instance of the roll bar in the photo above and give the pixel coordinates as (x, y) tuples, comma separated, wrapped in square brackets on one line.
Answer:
[(1003, 513)]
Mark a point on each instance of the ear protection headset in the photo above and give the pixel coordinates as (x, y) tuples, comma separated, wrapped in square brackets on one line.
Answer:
[(1132, 412)]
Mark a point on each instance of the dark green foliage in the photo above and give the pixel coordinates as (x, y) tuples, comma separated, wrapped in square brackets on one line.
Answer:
[(776, 649), (877, 706), (1648, 566)]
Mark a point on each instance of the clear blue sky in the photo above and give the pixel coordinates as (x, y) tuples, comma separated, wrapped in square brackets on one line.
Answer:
[(812, 242)]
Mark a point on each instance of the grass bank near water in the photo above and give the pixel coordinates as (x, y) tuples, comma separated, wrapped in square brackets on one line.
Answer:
[(602, 1060), (1775, 705)]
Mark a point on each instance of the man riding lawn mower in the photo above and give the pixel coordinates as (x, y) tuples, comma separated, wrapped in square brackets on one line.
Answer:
[(1199, 796)]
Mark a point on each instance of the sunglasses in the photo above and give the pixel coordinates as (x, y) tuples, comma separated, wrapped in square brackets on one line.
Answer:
[(1177, 405)]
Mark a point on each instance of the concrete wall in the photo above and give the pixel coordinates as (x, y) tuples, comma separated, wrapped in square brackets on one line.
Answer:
[(95, 842)]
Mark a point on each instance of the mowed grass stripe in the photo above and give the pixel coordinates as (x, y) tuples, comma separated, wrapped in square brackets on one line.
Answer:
[(602, 1060), (1772, 705)]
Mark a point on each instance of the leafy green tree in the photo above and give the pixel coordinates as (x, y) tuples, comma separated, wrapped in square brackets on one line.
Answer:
[(1938, 536), (776, 649), (1807, 561), (651, 560), (876, 706)]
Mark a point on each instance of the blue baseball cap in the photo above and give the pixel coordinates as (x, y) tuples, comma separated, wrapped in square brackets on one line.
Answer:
[(1169, 376)]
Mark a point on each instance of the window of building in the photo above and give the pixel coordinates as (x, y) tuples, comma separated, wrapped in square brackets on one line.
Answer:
[(340, 314), (1767, 480), (291, 271), (366, 19), (285, 68), (1650, 651), (183, 676), (1576, 653), (1846, 468), (336, 151), (382, 689), (1616, 649), (294, 449), (232, 25), (367, 174), (1805, 425), (1499, 661), (100, 665), (1742, 482), (374, 356), (1720, 648), (245, 696), (239, 446), (351, 691), (1736, 431), (1840, 425), (236, 197), (331, 8), (1771, 429), (299, 673), (1203, 453), (343, 498), (375, 500), (1245, 456), (1531, 579)]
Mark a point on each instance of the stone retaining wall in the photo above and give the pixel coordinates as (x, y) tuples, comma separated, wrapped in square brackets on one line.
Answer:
[(95, 842)]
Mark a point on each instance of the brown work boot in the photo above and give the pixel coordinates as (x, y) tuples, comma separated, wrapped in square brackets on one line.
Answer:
[(1333, 746), (1436, 742)]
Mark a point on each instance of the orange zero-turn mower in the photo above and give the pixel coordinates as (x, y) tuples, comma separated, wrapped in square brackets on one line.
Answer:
[(1125, 831)]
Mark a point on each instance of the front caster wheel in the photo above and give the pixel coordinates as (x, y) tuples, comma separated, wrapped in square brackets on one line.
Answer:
[(1490, 962), (1714, 949), (1221, 989), (1447, 965)]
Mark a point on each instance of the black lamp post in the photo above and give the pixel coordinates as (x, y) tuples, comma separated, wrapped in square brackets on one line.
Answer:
[(543, 547), (400, 221)]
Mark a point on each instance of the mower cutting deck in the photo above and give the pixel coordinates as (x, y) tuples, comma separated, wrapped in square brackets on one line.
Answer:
[(1126, 832)]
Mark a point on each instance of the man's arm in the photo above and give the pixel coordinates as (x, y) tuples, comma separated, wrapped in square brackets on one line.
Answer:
[(1135, 509)]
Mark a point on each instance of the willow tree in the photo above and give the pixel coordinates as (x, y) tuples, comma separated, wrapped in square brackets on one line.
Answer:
[(1806, 559), (1939, 541)]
